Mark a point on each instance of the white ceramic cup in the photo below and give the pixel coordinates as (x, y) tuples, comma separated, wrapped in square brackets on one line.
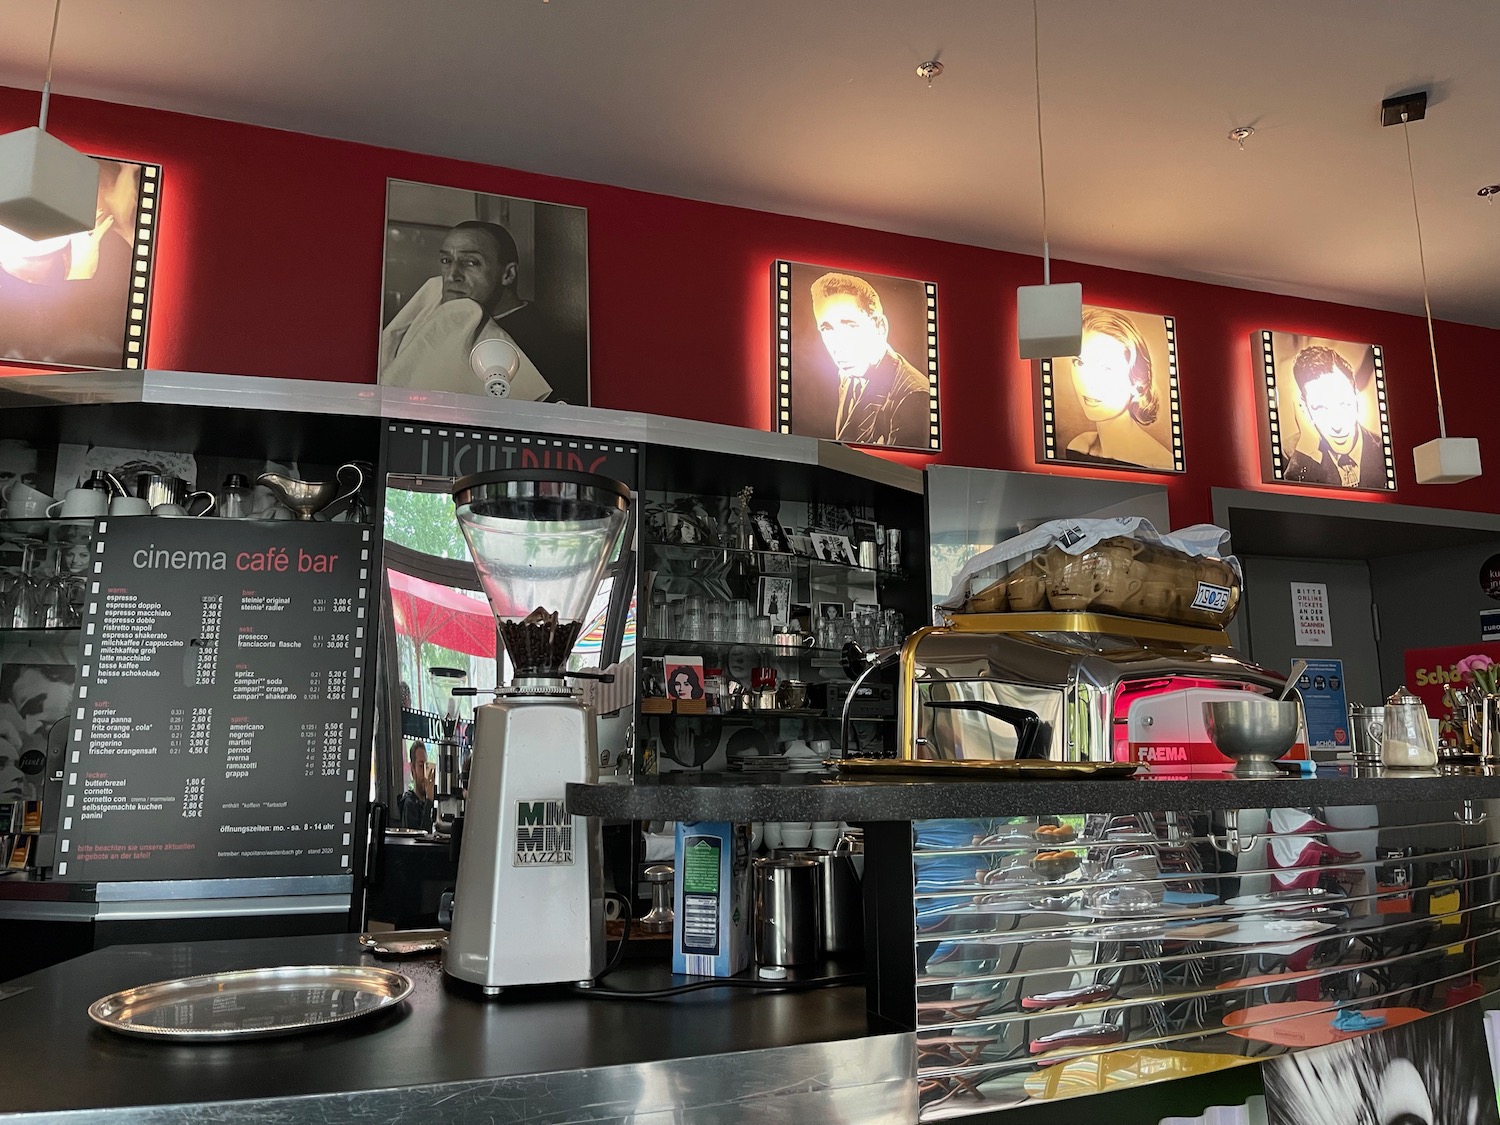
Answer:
[(822, 748), (22, 502), (757, 834), (772, 830), (129, 506), (79, 503), (825, 838), (795, 835), (170, 511)]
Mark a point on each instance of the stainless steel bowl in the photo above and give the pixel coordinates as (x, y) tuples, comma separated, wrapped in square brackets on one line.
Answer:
[(1253, 732)]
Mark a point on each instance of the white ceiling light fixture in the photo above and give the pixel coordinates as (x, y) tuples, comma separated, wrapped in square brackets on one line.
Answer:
[(1049, 318), (1444, 460), (47, 189)]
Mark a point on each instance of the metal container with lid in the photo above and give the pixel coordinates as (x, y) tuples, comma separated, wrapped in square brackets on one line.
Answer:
[(788, 915)]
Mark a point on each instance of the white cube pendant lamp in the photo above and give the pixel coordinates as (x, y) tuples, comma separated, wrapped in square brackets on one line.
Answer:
[(47, 189), (1049, 318), (1444, 460)]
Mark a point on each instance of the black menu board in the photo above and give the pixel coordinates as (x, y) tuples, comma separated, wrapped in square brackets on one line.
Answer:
[(216, 730)]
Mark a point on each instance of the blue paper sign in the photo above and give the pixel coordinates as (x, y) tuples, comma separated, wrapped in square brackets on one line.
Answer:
[(1322, 689)]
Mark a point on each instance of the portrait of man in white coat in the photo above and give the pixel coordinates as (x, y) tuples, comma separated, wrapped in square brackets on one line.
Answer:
[(484, 294)]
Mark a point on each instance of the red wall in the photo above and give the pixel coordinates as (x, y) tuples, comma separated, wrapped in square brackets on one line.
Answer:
[(269, 263)]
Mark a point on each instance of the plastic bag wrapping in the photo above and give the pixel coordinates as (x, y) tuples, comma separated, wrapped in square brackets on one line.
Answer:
[(1122, 566)]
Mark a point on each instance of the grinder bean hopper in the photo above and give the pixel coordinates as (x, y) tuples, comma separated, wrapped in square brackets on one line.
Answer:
[(528, 905)]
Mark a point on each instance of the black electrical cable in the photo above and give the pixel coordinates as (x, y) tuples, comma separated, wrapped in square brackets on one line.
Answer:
[(717, 982), (627, 904)]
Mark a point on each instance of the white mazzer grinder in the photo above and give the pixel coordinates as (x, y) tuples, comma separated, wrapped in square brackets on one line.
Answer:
[(528, 907)]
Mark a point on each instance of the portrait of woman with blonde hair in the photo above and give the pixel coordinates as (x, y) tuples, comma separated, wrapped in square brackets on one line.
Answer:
[(1116, 389)]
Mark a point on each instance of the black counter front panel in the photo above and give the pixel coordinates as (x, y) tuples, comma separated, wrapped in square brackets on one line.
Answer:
[(217, 725)]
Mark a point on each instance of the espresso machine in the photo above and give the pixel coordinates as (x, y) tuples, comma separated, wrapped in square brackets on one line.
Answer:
[(528, 906)]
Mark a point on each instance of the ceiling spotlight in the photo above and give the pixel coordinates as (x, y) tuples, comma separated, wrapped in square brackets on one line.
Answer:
[(1488, 192), (930, 70), (1241, 135)]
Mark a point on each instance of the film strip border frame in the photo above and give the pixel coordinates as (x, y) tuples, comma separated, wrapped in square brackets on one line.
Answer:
[(142, 262), (1050, 451), (1279, 457), (781, 299)]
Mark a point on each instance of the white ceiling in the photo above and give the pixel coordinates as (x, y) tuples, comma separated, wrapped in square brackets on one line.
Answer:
[(813, 107)]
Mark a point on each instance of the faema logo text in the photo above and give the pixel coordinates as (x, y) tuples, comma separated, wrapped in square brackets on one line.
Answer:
[(544, 834)]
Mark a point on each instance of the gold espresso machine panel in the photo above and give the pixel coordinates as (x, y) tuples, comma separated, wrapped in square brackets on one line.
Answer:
[(995, 687)]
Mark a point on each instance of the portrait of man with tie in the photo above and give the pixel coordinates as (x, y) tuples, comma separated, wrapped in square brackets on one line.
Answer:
[(845, 371), (1330, 430)]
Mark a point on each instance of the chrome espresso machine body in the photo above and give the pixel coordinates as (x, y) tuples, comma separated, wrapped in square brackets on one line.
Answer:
[(1048, 685), (528, 906)]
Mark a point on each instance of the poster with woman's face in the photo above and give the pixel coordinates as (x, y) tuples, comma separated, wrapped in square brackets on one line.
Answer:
[(856, 356), (1117, 402), (83, 300), (1323, 412)]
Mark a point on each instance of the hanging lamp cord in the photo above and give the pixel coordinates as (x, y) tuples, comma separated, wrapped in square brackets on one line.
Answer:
[(1041, 153), (47, 82), (1422, 260)]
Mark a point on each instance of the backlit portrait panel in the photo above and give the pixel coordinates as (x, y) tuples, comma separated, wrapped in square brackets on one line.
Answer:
[(1324, 412), (856, 356), (1117, 402), (83, 300)]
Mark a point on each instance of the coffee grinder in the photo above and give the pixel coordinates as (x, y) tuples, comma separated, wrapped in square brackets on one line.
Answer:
[(528, 907)]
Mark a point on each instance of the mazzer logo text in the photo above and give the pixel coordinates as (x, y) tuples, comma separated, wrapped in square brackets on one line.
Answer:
[(544, 833)]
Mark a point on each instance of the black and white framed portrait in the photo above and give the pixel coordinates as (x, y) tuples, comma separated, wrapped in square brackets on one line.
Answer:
[(834, 548), (775, 598), (766, 534), (1324, 414), (484, 294), (1117, 403), (856, 356), (84, 300)]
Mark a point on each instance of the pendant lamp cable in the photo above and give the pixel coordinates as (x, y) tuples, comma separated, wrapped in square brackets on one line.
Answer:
[(47, 82), (1041, 153), (1422, 260)]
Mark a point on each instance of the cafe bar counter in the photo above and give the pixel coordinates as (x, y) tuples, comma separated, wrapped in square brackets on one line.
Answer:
[(1025, 941), (1043, 939)]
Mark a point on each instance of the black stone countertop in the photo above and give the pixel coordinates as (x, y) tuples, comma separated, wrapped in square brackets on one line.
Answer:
[(756, 797), (444, 1056)]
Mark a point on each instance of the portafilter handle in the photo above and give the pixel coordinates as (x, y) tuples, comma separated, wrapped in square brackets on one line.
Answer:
[(1026, 724)]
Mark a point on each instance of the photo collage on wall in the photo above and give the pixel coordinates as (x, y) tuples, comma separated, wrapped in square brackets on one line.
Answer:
[(84, 300), (856, 356), (1116, 404), (1325, 419)]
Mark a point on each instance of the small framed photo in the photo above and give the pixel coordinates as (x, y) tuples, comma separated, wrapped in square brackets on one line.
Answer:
[(684, 676), (801, 544), (775, 600), (834, 548), (856, 356), (831, 611), (768, 535), (772, 563), (1117, 403), (1324, 418)]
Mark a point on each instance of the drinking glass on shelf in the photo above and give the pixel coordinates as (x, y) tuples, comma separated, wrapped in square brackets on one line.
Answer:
[(740, 628), (895, 627), (762, 630), (718, 621), (25, 606), (694, 625)]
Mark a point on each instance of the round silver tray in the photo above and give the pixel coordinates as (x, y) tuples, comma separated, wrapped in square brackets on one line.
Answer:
[(251, 1002)]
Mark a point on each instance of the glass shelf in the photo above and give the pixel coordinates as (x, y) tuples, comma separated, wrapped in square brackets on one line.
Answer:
[(42, 529), (830, 657), (688, 551), (57, 632)]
